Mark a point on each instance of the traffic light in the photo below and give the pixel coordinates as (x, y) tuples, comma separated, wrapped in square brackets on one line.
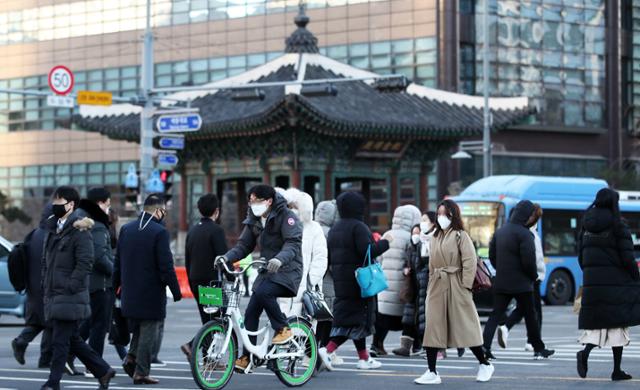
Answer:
[(166, 177)]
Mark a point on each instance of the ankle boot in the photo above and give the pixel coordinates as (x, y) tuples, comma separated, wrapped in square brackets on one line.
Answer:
[(406, 343)]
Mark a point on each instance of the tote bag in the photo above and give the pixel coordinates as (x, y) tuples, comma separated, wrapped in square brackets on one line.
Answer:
[(370, 277), (314, 303)]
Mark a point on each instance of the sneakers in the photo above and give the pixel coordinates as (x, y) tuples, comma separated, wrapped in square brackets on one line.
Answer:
[(370, 364), (620, 376), (485, 372), (489, 355), (18, 351), (582, 364), (428, 378), (503, 336), (283, 336), (377, 350), (325, 358), (544, 354), (70, 368), (528, 347), (336, 360), (242, 363)]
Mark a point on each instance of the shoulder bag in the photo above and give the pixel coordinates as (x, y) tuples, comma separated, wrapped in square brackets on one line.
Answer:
[(314, 303), (370, 277), (482, 279)]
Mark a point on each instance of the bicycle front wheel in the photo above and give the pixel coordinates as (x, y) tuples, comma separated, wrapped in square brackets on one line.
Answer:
[(296, 371), (211, 367)]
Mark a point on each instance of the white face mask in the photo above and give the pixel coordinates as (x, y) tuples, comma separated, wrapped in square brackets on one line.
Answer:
[(259, 209), (444, 222), (425, 227), (415, 239)]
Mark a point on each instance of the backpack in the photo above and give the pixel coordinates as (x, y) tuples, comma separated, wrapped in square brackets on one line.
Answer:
[(17, 264)]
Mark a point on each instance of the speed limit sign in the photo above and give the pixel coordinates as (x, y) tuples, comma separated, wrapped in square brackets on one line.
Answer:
[(61, 80)]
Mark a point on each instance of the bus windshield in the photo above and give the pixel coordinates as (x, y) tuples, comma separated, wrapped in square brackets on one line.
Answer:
[(481, 219)]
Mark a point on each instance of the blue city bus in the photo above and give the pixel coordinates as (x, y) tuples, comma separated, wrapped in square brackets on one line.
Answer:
[(486, 204)]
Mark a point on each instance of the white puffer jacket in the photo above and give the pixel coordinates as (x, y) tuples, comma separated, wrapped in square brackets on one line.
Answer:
[(314, 251), (393, 260)]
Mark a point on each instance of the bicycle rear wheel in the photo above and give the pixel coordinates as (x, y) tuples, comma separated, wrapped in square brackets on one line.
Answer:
[(296, 371), (208, 372)]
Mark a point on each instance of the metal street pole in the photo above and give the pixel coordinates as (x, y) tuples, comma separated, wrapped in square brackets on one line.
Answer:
[(146, 116), (486, 133)]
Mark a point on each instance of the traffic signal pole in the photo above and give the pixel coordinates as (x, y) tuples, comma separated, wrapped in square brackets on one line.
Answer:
[(146, 116)]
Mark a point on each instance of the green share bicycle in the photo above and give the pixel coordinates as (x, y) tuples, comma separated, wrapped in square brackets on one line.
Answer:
[(215, 346)]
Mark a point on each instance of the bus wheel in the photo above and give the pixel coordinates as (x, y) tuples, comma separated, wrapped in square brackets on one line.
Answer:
[(559, 288)]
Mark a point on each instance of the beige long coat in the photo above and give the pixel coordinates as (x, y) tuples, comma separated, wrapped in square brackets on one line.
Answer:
[(452, 319)]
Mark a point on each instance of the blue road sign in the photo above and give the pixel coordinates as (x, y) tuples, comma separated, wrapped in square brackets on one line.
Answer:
[(171, 143), (167, 159), (180, 123)]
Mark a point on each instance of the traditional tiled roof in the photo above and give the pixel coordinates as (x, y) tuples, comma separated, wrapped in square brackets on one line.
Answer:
[(358, 109)]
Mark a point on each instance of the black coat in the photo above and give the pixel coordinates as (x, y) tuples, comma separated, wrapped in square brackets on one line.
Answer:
[(205, 242), (348, 241), (66, 265), (611, 287), (512, 253), (280, 238), (102, 272), (420, 277), (34, 308), (144, 268)]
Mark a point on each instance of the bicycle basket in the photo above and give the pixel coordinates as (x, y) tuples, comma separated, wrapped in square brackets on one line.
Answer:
[(219, 295)]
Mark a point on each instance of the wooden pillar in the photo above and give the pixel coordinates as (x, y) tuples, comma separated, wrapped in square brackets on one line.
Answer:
[(182, 222), (423, 189), (328, 183), (208, 183), (394, 189), (296, 179)]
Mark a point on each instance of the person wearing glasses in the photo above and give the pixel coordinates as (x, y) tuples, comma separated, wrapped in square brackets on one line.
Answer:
[(278, 231)]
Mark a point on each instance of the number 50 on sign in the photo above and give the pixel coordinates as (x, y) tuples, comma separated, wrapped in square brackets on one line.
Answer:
[(61, 80)]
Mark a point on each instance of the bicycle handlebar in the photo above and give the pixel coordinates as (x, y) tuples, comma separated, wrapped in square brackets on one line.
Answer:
[(262, 261)]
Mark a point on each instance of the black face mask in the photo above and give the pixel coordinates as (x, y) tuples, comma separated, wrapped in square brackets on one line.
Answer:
[(59, 210)]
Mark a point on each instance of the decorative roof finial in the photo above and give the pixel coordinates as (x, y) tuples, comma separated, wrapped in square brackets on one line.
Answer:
[(302, 40)]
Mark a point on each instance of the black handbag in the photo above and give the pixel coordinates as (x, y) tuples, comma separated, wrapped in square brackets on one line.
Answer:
[(314, 304)]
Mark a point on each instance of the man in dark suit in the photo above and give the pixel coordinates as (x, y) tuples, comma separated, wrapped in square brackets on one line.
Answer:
[(143, 270), (205, 242)]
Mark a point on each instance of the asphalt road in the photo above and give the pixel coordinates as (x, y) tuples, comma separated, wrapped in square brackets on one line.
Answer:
[(515, 368)]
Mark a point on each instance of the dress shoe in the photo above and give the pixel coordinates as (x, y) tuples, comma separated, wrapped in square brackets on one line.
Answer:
[(106, 378), (144, 380), (18, 351), (186, 349), (129, 366)]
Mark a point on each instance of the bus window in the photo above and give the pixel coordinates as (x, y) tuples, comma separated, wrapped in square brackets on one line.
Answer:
[(481, 219), (560, 229), (633, 221)]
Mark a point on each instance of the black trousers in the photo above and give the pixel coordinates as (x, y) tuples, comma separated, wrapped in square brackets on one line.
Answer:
[(95, 328), (384, 324), (518, 313), (66, 339), (500, 305), (29, 333), (265, 298)]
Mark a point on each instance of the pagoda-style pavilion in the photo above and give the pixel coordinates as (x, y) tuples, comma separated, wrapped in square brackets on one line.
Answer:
[(378, 135)]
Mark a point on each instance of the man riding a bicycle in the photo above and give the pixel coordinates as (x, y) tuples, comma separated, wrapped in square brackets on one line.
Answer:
[(278, 232)]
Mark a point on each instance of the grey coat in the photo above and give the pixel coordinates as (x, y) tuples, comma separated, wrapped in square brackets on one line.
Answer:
[(327, 215), (280, 238), (67, 262)]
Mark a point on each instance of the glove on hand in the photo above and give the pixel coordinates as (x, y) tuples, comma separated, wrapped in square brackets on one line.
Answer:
[(274, 265)]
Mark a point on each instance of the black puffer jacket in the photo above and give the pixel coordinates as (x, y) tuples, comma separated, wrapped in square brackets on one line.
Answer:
[(348, 241), (611, 287), (513, 253), (102, 273), (67, 262), (34, 309), (280, 238), (420, 273)]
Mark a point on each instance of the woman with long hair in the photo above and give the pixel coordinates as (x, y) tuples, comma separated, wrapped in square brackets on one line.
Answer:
[(611, 287), (452, 319)]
